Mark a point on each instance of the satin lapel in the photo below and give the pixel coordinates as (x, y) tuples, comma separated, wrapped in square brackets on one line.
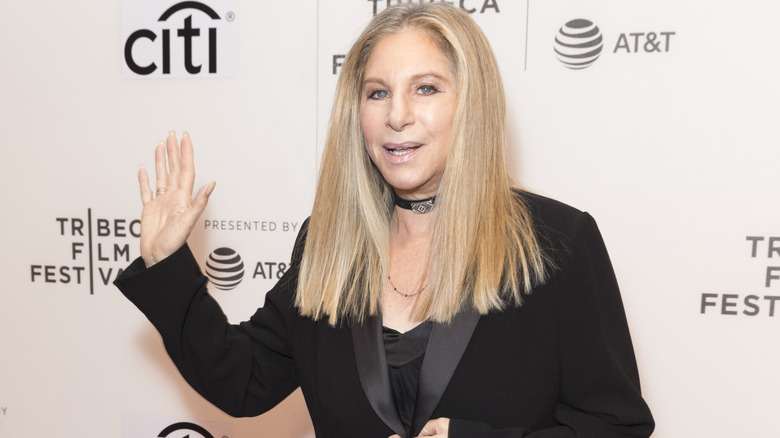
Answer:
[(445, 348), (372, 368)]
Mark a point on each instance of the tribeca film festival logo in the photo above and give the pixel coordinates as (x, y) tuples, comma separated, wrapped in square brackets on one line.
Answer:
[(579, 43), (468, 6), (762, 248), (183, 39), (98, 250)]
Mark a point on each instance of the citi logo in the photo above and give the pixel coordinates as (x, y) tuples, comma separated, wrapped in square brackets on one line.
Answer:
[(186, 39), (578, 44)]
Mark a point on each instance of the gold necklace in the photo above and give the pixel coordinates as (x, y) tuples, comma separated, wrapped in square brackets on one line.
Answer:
[(399, 292)]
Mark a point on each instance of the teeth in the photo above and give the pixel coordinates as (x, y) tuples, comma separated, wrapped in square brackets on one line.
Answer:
[(400, 151)]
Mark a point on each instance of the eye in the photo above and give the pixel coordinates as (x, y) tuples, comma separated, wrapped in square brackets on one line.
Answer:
[(427, 89), (378, 94)]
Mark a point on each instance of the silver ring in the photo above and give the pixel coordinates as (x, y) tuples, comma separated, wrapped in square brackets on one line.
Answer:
[(161, 191)]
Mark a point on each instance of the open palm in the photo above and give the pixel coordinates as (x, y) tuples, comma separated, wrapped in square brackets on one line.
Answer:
[(169, 213)]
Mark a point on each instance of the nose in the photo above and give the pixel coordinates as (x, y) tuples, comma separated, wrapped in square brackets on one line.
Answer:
[(400, 114)]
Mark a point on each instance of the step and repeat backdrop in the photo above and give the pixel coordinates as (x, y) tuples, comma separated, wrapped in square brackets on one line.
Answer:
[(666, 131)]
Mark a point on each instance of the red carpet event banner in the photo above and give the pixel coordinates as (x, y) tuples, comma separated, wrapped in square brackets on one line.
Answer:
[(659, 118)]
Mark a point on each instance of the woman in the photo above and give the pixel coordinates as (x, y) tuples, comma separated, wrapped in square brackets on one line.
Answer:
[(425, 297)]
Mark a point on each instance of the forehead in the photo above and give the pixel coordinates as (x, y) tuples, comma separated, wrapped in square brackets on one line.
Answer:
[(407, 51)]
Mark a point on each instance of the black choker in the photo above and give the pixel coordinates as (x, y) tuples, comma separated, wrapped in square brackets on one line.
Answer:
[(418, 206)]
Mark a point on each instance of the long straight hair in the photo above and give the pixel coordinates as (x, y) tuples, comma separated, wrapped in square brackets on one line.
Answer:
[(484, 251)]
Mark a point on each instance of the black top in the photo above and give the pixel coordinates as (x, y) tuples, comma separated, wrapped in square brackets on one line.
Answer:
[(559, 366), (405, 353)]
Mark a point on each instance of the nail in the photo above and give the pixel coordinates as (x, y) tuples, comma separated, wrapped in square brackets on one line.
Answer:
[(185, 134), (171, 133)]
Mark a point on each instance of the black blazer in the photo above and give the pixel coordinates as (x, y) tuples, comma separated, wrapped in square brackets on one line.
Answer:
[(561, 365)]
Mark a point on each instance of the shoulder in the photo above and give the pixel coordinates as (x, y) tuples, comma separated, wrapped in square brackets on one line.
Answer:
[(567, 235), (551, 217)]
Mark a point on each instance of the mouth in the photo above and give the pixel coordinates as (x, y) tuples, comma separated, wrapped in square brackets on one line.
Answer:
[(401, 149)]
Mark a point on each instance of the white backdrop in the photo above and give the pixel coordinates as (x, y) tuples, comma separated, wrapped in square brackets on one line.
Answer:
[(670, 139)]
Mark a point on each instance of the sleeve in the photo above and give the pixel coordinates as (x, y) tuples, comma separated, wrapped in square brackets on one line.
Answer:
[(243, 369), (599, 393)]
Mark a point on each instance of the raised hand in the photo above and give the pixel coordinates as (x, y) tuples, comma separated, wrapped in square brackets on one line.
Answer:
[(170, 212)]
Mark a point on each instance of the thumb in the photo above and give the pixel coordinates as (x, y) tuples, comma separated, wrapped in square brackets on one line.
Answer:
[(200, 202), (202, 197)]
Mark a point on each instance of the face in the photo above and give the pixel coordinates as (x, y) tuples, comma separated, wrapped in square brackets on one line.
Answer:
[(406, 109)]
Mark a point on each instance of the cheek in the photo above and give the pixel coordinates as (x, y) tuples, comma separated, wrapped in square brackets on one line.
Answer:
[(439, 125), (369, 134), (362, 116), (368, 124), (438, 116)]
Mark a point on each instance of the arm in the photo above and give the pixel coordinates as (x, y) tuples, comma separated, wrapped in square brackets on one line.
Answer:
[(599, 394), (244, 369)]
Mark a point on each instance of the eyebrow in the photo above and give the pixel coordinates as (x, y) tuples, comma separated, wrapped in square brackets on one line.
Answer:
[(413, 78)]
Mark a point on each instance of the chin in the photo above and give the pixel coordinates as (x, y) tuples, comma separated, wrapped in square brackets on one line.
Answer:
[(414, 191)]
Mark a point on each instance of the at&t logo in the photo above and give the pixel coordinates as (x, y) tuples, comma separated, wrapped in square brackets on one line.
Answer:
[(183, 39), (578, 44), (225, 268), (143, 426), (185, 430)]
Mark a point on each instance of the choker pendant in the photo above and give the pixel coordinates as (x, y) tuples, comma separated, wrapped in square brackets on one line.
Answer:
[(418, 206)]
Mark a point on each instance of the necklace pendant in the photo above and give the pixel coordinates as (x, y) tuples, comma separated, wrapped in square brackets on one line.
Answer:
[(422, 207)]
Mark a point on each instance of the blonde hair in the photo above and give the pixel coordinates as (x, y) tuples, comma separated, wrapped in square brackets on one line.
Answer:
[(484, 249)]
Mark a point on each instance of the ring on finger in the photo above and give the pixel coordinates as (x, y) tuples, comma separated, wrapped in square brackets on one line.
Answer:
[(161, 191)]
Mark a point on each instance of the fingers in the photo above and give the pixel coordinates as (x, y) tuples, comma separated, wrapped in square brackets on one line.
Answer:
[(160, 167), (174, 168), (143, 183), (174, 161), (437, 427), (187, 179)]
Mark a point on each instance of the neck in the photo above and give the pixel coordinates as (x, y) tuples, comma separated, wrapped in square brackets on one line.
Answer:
[(407, 224)]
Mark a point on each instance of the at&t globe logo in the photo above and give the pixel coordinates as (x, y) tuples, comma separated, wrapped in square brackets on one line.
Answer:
[(578, 44), (225, 268), (185, 430)]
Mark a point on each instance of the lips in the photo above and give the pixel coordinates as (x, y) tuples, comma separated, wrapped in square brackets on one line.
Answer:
[(399, 152), (401, 149)]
